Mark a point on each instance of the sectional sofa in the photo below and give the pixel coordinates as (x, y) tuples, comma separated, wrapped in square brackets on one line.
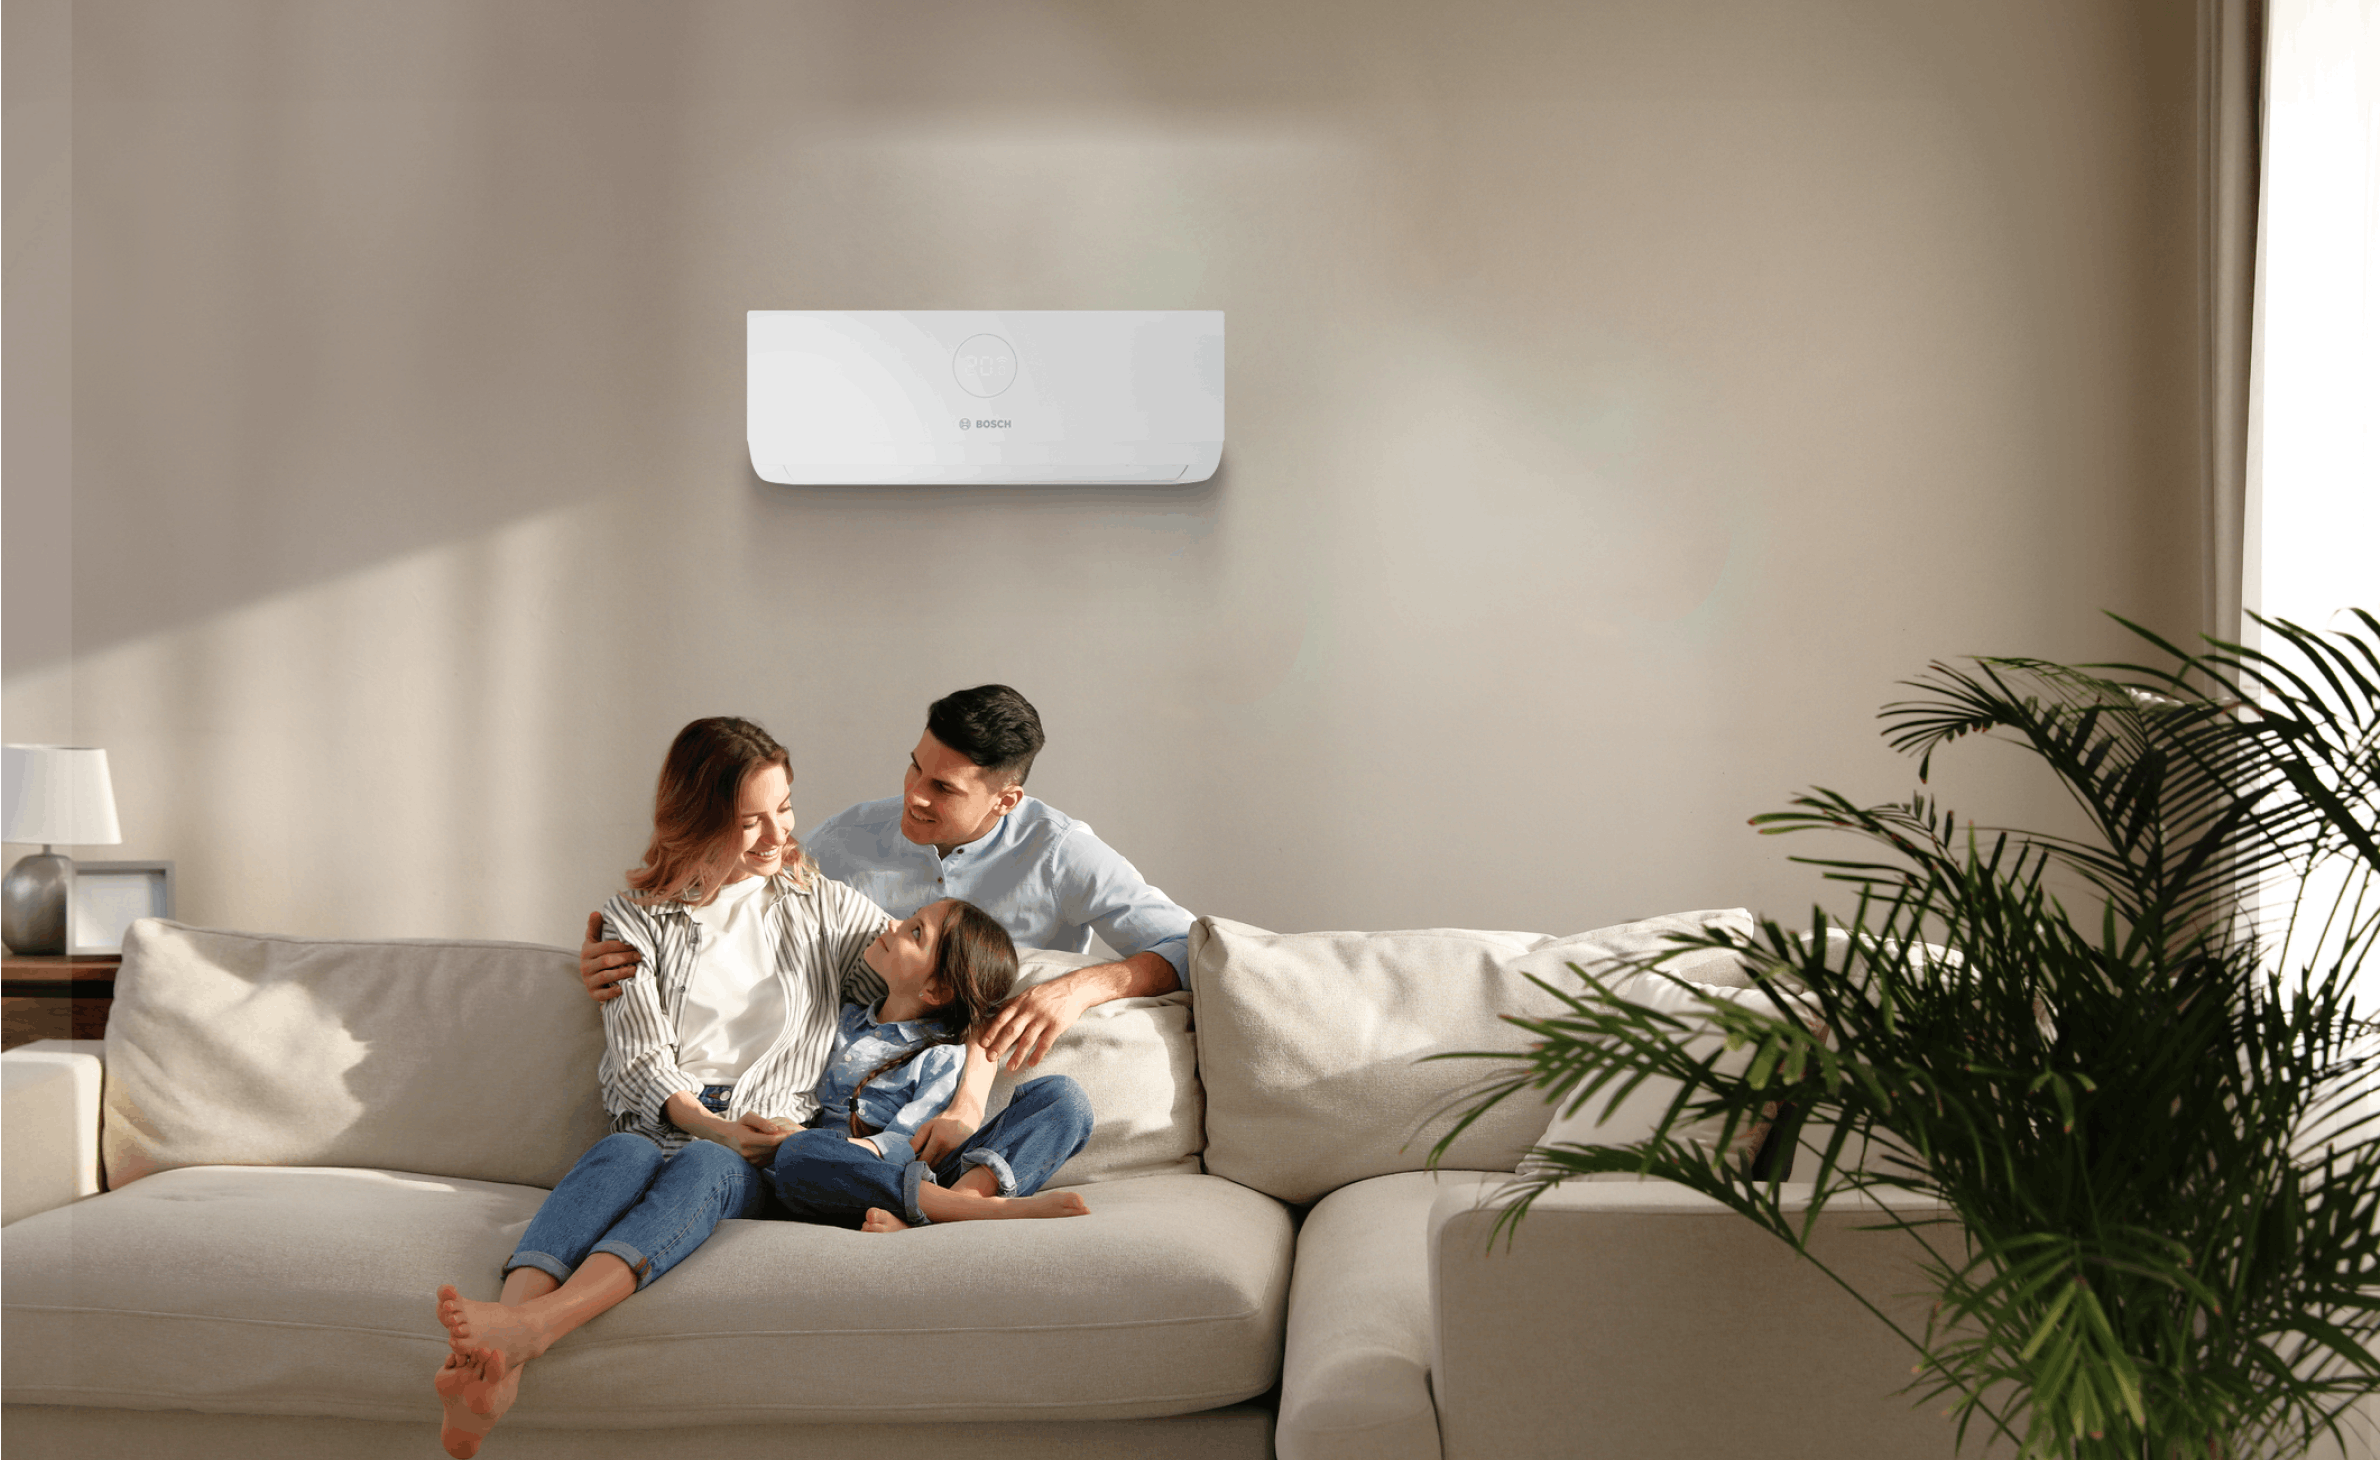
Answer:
[(300, 1139)]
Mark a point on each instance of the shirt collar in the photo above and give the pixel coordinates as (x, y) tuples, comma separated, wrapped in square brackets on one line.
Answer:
[(989, 841), (781, 885), (906, 1026)]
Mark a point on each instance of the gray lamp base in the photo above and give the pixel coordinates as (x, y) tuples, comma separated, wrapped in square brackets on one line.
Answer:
[(33, 903)]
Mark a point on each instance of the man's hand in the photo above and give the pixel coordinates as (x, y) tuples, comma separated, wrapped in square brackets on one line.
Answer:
[(1031, 1022), (603, 965)]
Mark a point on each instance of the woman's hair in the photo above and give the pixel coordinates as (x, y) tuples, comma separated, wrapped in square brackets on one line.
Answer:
[(976, 962), (696, 823)]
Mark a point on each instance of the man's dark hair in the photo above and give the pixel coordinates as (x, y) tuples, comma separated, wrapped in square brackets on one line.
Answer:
[(992, 725)]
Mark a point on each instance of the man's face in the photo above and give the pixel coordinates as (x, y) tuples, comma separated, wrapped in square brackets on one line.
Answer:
[(948, 800)]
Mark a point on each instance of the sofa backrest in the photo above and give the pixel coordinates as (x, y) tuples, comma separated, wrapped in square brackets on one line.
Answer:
[(477, 1060), (449, 1058), (1314, 1047)]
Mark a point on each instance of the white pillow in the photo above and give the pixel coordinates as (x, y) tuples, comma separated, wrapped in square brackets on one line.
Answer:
[(1638, 1113), (443, 1057), (1137, 1063)]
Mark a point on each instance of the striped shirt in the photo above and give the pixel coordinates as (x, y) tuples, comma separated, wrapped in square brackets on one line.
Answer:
[(815, 936)]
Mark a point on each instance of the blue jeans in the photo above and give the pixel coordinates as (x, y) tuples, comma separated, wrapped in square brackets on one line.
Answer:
[(648, 1209), (819, 1176)]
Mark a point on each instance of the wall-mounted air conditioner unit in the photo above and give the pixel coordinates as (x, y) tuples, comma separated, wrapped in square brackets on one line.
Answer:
[(951, 396)]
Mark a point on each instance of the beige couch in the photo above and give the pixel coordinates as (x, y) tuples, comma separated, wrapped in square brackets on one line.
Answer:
[(303, 1138)]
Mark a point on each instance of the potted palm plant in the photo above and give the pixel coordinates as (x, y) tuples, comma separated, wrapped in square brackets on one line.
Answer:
[(2127, 1067)]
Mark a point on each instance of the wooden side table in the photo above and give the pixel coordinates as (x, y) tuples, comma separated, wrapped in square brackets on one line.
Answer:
[(54, 997)]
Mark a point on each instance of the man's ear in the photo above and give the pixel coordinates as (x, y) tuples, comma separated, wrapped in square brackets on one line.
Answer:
[(1009, 796)]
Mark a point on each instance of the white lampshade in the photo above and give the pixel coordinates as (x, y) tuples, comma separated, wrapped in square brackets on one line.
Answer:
[(58, 795)]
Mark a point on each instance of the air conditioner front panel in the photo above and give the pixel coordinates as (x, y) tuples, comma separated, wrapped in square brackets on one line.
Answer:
[(1081, 396)]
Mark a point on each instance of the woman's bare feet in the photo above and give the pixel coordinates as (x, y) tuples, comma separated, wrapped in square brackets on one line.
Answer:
[(465, 1427), (880, 1220), (493, 1340)]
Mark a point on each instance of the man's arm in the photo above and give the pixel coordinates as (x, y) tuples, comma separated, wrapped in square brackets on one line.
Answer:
[(1031, 1022), (1098, 889)]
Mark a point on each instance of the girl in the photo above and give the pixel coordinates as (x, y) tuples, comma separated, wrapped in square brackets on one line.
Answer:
[(713, 1061), (892, 1071)]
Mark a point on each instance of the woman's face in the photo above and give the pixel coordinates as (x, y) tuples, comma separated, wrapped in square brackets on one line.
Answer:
[(764, 820), (904, 955)]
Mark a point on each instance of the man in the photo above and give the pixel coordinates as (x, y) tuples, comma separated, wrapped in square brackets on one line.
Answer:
[(964, 827)]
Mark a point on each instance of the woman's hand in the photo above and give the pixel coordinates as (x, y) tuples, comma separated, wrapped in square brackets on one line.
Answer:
[(754, 1137)]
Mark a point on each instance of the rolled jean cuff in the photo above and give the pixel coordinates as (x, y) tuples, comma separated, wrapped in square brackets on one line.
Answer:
[(913, 1175), (545, 1262), (638, 1264), (985, 1156)]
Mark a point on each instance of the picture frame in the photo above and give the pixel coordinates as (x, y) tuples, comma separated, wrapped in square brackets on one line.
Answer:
[(107, 896)]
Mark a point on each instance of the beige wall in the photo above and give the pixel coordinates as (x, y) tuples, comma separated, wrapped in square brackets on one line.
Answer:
[(1622, 398)]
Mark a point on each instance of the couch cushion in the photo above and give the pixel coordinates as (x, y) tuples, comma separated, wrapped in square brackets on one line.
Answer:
[(247, 1049), (310, 1291), (1138, 1064), (1616, 1115), (1355, 1369), (1313, 1047)]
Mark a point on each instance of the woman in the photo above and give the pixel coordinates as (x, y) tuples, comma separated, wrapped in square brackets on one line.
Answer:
[(711, 1063)]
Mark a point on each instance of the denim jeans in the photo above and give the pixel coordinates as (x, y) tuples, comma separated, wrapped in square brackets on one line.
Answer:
[(820, 1176), (648, 1209)]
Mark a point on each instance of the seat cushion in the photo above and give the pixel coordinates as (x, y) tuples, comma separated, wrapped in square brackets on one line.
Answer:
[(310, 1291), (1355, 1372)]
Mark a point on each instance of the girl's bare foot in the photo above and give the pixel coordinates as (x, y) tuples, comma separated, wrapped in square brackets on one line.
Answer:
[(960, 1205), (464, 1427), (880, 1220), (493, 1340), (1047, 1204)]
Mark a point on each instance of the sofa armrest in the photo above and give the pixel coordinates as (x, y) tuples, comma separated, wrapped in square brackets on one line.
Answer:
[(1638, 1318), (49, 1124)]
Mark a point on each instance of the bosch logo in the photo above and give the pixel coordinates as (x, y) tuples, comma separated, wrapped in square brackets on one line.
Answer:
[(964, 423), (986, 425), (984, 365)]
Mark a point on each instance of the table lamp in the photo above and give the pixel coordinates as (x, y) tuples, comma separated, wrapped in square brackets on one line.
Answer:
[(54, 795)]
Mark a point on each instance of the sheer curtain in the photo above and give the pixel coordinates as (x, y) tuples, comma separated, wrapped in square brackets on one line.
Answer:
[(2312, 500), (2313, 449)]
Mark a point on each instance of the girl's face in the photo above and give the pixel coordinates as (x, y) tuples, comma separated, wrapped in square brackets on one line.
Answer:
[(764, 820), (905, 954)]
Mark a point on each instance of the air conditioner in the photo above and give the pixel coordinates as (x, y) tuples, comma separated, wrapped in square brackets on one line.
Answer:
[(955, 396)]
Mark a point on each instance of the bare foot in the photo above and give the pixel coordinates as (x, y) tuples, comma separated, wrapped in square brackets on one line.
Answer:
[(1048, 1204), (880, 1220), (493, 1340), (961, 1206), (464, 1427)]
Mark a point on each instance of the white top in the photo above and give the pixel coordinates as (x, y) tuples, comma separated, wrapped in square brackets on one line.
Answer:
[(735, 1005), (817, 936)]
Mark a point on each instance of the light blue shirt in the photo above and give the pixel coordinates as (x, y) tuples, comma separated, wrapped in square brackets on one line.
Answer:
[(1039, 872), (897, 1102)]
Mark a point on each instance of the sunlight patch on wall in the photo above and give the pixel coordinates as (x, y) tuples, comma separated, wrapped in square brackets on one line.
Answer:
[(371, 753)]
